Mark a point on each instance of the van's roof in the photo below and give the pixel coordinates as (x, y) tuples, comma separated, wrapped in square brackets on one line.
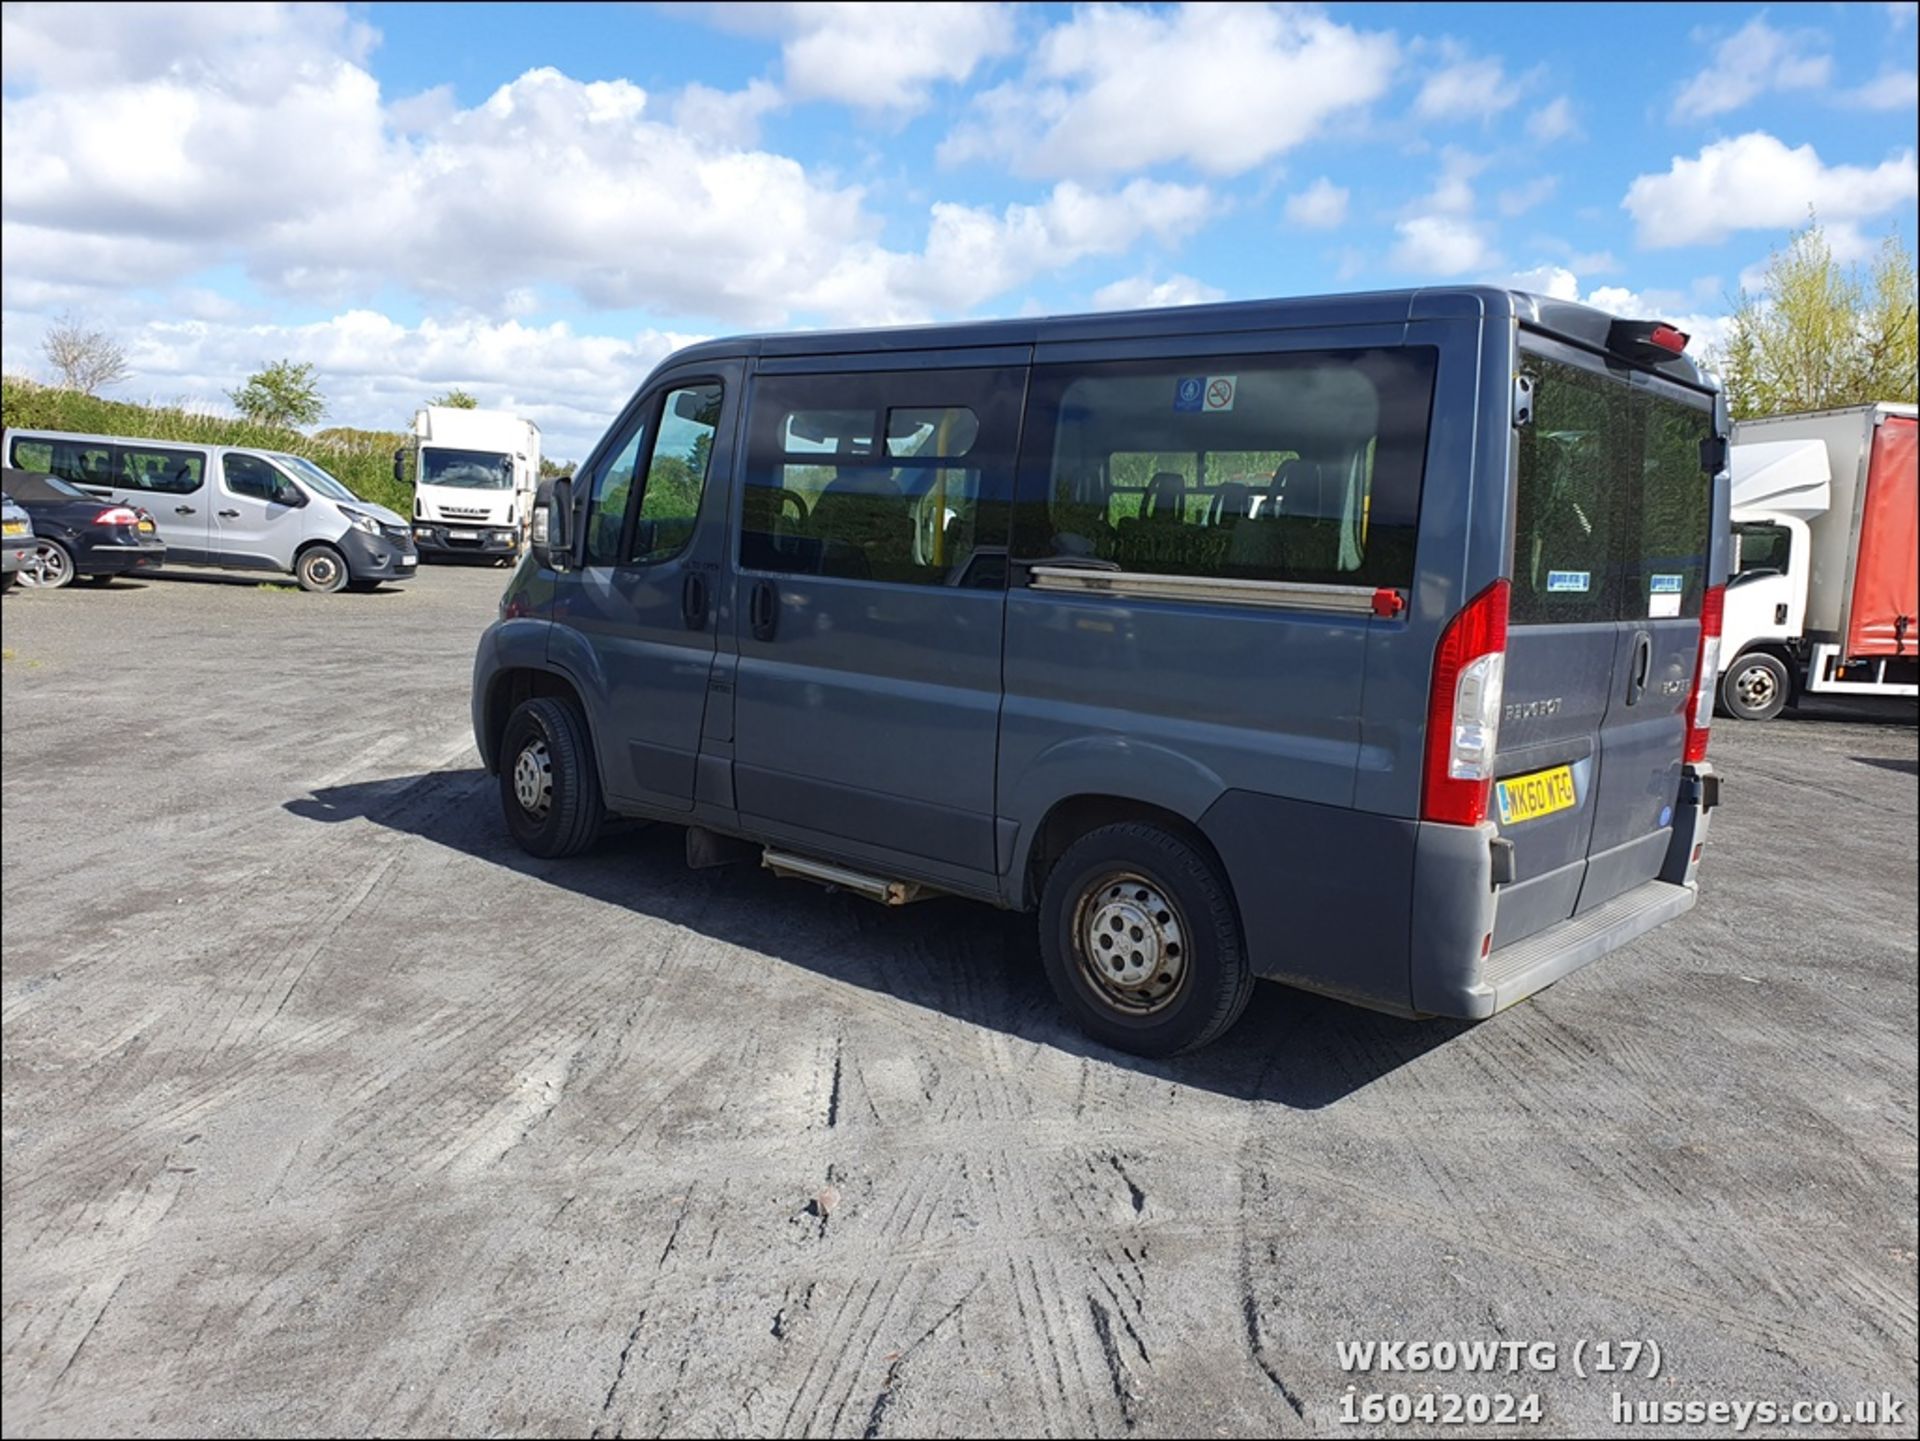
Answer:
[(1581, 324)]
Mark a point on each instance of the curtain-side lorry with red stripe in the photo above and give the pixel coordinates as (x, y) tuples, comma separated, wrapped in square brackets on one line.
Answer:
[(1826, 513)]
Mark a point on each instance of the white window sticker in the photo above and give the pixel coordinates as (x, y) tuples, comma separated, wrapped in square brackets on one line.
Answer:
[(1567, 580), (1663, 596), (1220, 389)]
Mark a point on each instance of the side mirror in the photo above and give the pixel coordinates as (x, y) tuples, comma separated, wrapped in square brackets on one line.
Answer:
[(291, 496), (400, 465), (551, 537)]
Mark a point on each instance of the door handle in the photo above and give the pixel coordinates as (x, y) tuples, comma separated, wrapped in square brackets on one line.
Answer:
[(763, 610), (693, 600), (1642, 665), (183, 510), (230, 515)]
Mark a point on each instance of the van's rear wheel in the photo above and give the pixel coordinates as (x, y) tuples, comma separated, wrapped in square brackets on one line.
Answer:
[(321, 569), (1141, 941), (549, 787), (1755, 687)]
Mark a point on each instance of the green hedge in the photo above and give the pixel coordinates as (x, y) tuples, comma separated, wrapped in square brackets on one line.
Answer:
[(363, 459)]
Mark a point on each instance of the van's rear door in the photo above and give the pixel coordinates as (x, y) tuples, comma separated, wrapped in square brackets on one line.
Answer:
[(1563, 639), (1663, 535)]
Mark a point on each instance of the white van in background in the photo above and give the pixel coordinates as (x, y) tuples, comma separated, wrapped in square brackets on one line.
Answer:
[(233, 507), (473, 474)]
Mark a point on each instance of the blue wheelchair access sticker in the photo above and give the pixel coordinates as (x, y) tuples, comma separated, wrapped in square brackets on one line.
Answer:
[(1189, 392), (1667, 584), (1564, 580)]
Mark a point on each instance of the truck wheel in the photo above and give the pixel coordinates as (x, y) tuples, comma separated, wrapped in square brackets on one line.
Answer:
[(549, 786), (320, 569), (1141, 941), (1755, 687)]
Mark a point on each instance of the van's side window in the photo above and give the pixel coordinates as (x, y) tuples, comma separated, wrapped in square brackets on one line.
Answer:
[(612, 489), (78, 462), (1572, 459), (1301, 467), (677, 474), (899, 476), (253, 477), (170, 472)]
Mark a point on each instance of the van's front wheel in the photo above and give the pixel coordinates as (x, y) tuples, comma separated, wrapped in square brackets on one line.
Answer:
[(549, 787), (1141, 941), (320, 569)]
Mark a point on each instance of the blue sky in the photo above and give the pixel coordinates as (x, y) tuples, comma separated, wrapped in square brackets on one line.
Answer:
[(539, 203)]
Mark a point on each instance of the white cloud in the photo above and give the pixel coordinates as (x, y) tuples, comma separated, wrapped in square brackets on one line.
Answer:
[(1521, 198), (1143, 292), (1466, 87), (1893, 90), (1321, 206), (725, 117), (1752, 61), (1219, 87), (1553, 121), (888, 56), (1442, 245), (550, 183), (1754, 182)]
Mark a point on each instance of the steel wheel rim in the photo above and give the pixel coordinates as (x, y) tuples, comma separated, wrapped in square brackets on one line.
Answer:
[(533, 779), (322, 570), (50, 568), (1131, 942), (1756, 687)]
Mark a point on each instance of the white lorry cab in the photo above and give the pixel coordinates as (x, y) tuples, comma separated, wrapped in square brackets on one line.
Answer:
[(473, 474), (1822, 598)]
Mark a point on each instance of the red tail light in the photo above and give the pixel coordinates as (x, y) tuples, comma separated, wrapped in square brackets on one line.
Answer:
[(117, 515), (1706, 673), (1463, 711)]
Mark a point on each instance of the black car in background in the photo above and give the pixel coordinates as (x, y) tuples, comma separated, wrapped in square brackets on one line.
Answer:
[(81, 536)]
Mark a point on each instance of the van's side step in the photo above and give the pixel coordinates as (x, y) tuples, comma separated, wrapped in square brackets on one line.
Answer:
[(874, 888)]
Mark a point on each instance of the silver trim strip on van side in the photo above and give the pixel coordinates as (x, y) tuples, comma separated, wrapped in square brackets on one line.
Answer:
[(1224, 590)]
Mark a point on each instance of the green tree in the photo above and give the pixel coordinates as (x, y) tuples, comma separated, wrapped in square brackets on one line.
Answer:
[(1820, 334), (549, 467), (456, 399), (280, 394)]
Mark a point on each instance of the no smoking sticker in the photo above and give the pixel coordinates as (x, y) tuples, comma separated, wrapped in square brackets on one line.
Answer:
[(1220, 389)]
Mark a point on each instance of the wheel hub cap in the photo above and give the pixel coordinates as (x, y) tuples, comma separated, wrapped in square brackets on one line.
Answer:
[(533, 779), (1755, 686), (1131, 941)]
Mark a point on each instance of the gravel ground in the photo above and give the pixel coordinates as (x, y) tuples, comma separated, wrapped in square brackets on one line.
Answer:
[(327, 1111)]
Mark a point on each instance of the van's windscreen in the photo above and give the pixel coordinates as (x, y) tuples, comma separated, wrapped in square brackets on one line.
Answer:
[(466, 469), (317, 478), (1299, 467)]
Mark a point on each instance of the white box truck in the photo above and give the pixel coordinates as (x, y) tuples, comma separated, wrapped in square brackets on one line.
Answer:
[(474, 473), (1826, 510)]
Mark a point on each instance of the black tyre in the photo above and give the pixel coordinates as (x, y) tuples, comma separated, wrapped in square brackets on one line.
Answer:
[(6, 580), (549, 785), (364, 587), (321, 569), (51, 567), (1141, 941), (1755, 687)]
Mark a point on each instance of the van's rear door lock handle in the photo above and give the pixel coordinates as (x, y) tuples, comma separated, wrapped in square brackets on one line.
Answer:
[(763, 610), (1642, 666), (693, 600), (183, 510)]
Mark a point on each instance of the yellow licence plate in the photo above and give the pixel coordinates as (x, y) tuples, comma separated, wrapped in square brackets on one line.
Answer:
[(16, 527), (1527, 798)]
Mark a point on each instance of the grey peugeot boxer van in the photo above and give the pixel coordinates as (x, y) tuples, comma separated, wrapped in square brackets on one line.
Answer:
[(1355, 643)]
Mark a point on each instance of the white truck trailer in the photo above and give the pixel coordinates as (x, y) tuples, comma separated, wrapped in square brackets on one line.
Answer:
[(474, 473), (1822, 599)]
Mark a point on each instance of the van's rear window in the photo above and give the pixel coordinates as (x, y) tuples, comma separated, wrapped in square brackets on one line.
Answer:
[(1294, 467)]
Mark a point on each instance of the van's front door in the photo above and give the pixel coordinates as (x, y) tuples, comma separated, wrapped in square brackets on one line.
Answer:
[(644, 601), (869, 606), (256, 515)]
